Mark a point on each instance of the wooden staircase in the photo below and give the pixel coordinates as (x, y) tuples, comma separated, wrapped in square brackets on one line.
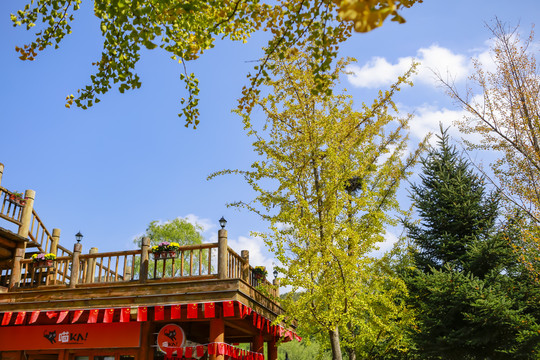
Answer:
[(21, 228)]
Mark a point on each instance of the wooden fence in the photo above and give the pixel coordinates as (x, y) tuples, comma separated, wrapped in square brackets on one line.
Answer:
[(10, 210), (192, 262)]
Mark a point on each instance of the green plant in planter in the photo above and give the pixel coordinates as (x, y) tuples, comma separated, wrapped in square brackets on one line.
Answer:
[(42, 257), (165, 246), (16, 197), (260, 272)]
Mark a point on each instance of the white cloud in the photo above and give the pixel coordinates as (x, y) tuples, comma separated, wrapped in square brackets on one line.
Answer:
[(384, 246), (206, 224), (428, 117), (258, 256), (433, 60)]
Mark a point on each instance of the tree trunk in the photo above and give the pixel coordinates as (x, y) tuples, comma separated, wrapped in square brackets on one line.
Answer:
[(352, 353), (334, 341)]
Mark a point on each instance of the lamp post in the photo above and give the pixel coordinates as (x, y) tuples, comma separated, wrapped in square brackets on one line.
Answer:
[(223, 250), (222, 222), (79, 237)]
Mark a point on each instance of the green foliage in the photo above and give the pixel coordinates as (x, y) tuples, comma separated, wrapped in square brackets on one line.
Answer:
[(472, 296), (322, 227), (185, 29), (304, 350), (178, 231), (454, 209)]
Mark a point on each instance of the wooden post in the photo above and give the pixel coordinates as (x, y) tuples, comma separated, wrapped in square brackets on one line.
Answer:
[(91, 266), (143, 271), (24, 228), (272, 349), (276, 291), (127, 274), (1, 172), (55, 240), (258, 343), (245, 265), (75, 265), (16, 270), (223, 250), (26, 216), (217, 334)]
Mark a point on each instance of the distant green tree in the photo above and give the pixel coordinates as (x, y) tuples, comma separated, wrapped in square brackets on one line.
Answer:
[(473, 297), (177, 230)]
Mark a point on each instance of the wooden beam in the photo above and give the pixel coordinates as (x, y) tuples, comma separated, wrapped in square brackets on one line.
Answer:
[(5, 253), (6, 243), (247, 329)]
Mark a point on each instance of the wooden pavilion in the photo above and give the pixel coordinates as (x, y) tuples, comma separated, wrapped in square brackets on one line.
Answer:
[(204, 303)]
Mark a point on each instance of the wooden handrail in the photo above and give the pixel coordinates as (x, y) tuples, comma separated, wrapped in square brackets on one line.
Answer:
[(35, 231), (191, 260), (235, 263), (112, 253), (9, 210), (194, 262), (64, 251)]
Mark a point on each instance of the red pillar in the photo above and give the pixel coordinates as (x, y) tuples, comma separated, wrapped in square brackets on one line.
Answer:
[(217, 334), (272, 349), (258, 344)]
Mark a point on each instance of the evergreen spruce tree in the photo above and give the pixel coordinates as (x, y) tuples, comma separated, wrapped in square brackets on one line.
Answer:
[(473, 298)]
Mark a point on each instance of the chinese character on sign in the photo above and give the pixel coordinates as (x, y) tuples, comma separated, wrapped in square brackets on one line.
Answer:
[(63, 337)]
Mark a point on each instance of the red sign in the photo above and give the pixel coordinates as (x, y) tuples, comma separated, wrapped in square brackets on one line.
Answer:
[(170, 336), (76, 336)]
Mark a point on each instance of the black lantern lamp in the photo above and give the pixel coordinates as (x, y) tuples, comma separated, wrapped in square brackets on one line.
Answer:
[(79, 237), (222, 222), (275, 273)]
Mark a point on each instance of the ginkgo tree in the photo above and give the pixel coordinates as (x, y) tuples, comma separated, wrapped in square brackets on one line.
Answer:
[(185, 29), (326, 183), (506, 116)]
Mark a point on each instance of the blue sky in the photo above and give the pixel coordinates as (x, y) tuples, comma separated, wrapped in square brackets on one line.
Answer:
[(110, 170)]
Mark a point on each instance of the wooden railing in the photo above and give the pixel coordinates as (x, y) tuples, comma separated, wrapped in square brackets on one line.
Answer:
[(5, 275), (238, 268), (33, 276), (109, 267), (39, 234), (235, 265), (192, 260), (10, 211)]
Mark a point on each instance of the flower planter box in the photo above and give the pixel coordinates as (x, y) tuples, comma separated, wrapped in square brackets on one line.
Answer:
[(44, 263), (17, 200), (165, 255)]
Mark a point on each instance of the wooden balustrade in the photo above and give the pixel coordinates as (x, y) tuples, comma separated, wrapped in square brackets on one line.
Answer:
[(33, 276), (62, 251), (10, 210), (109, 267), (39, 234), (5, 275), (191, 261), (234, 262), (262, 282)]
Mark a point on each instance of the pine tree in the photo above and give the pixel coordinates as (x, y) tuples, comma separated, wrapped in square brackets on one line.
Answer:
[(473, 298)]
